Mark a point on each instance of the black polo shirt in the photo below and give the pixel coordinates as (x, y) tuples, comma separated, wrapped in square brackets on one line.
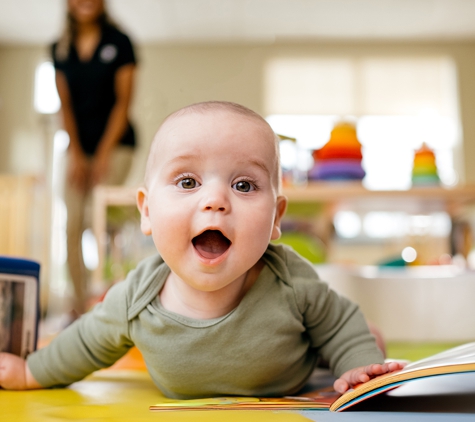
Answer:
[(92, 85)]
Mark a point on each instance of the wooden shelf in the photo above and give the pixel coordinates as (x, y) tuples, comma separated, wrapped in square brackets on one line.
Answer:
[(321, 192), (353, 194)]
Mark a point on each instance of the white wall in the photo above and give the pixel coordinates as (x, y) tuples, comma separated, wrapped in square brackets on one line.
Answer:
[(21, 135)]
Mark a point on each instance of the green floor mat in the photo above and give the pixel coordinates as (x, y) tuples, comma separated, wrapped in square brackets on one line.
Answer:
[(416, 351)]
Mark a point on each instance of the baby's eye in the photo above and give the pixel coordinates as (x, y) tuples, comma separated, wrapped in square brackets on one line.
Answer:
[(188, 183), (243, 186)]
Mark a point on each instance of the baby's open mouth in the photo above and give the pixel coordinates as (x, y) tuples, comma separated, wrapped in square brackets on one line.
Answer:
[(211, 244)]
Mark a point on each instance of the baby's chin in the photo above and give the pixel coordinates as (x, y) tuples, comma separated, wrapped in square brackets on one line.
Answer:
[(211, 283)]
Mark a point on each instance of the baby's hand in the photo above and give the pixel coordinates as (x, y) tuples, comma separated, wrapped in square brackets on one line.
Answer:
[(362, 374), (14, 373)]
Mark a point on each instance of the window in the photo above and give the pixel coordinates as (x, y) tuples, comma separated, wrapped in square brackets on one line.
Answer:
[(396, 103), (46, 99)]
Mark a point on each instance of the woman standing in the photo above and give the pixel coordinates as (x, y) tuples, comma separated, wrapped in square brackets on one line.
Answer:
[(95, 65)]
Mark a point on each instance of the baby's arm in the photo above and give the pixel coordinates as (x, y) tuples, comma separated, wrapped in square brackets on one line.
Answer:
[(94, 341), (356, 376), (14, 373)]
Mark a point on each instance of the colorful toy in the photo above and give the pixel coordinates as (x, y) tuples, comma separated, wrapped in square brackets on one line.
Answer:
[(424, 172), (340, 158)]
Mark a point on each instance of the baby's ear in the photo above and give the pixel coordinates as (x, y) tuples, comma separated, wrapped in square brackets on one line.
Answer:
[(142, 204), (280, 207)]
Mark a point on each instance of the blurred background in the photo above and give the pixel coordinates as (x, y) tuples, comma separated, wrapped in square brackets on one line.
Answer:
[(389, 79)]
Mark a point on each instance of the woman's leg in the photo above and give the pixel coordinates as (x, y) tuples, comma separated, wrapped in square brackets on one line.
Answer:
[(75, 201), (78, 208)]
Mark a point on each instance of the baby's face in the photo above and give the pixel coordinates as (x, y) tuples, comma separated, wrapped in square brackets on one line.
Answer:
[(211, 203)]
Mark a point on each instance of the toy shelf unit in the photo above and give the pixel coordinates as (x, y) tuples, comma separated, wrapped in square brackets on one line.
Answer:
[(326, 197), (402, 207)]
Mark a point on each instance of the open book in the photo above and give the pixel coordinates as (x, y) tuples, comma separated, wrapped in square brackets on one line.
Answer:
[(457, 360), (453, 361)]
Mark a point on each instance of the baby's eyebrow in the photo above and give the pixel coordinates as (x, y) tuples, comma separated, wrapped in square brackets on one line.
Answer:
[(185, 157), (257, 163), (193, 157)]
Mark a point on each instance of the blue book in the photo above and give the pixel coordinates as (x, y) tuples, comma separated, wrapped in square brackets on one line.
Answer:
[(19, 305)]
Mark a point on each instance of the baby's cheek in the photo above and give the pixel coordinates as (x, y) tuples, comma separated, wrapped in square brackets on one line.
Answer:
[(168, 228), (255, 238)]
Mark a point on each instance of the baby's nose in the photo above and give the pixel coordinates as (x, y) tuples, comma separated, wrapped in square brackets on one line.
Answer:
[(214, 207), (216, 200)]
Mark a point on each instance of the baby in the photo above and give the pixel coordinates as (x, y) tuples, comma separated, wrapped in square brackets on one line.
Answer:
[(219, 311)]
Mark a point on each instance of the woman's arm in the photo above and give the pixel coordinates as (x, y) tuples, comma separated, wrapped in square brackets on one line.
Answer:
[(117, 122), (77, 170)]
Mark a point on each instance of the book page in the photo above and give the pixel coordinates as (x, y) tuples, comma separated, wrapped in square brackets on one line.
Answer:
[(459, 355), (460, 383)]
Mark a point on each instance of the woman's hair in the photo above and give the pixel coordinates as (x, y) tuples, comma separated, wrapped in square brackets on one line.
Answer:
[(69, 33)]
